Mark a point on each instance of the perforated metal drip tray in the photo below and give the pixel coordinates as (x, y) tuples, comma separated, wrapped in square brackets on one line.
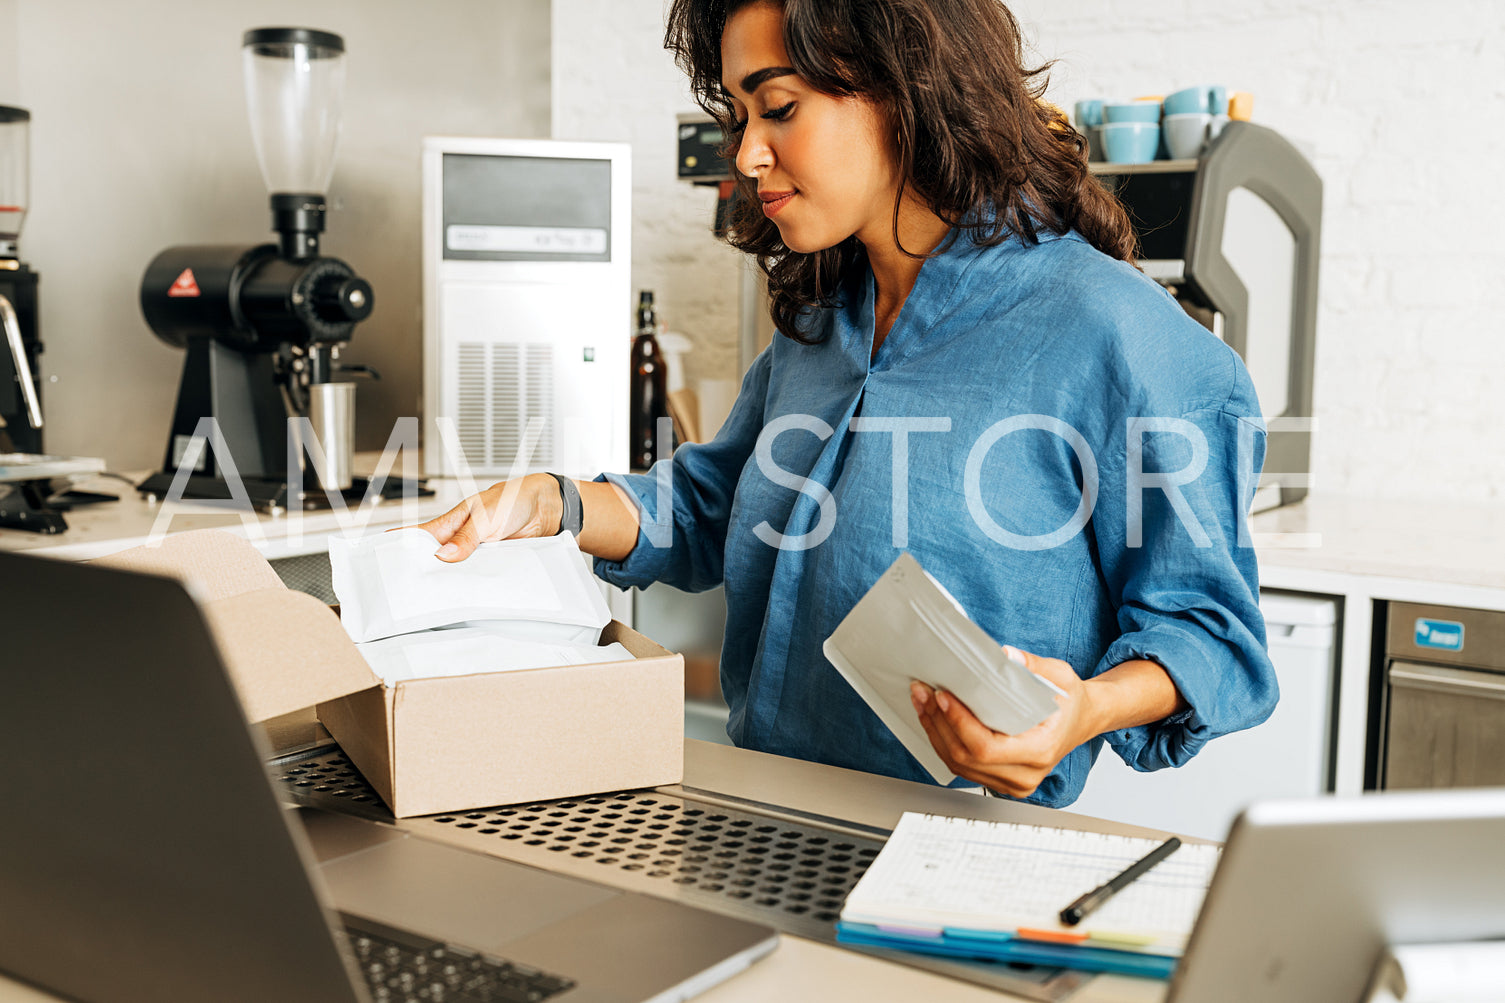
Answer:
[(640, 839), (755, 862)]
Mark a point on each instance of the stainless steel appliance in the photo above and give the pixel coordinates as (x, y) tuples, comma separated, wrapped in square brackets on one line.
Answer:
[(1235, 235), (263, 325), (1442, 709)]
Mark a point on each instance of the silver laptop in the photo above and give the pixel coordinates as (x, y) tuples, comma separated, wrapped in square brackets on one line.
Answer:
[(1309, 893), (144, 855)]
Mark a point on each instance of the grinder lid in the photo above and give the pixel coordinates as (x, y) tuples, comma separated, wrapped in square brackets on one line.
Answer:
[(295, 36)]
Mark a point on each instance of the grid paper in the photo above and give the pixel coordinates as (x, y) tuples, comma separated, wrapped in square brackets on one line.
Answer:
[(961, 873)]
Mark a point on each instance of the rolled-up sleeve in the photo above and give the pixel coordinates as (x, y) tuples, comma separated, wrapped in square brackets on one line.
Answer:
[(685, 502), (1184, 578)]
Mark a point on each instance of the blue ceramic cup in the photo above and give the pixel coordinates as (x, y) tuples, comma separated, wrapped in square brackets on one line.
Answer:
[(1131, 111), (1130, 142), (1191, 101), (1088, 114), (1217, 100)]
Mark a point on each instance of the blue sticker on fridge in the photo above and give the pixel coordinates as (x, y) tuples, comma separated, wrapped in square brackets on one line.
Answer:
[(1443, 635)]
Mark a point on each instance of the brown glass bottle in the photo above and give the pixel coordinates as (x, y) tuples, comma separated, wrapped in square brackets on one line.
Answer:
[(649, 398)]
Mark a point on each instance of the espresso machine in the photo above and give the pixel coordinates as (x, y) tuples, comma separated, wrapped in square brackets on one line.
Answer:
[(1235, 235), (263, 325), (35, 489), (20, 368)]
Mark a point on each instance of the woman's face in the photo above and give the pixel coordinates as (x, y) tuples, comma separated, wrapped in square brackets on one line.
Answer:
[(825, 166)]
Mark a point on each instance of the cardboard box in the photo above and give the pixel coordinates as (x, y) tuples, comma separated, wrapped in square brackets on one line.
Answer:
[(432, 745)]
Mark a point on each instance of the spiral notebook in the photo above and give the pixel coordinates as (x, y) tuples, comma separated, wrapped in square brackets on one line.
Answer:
[(978, 888)]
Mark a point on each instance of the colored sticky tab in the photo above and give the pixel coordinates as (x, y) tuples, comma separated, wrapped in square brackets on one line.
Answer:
[(1052, 936), (991, 936), (1110, 938), (911, 931)]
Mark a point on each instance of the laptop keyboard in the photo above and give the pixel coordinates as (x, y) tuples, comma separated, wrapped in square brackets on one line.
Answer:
[(399, 966)]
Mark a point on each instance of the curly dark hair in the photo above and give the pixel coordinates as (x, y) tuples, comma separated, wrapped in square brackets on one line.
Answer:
[(976, 142)]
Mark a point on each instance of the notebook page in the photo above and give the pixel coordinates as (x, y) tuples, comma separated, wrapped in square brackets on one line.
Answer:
[(969, 874)]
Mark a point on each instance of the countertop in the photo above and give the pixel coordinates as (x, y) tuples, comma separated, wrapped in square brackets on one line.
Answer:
[(1458, 547), (1454, 545), (96, 530), (805, 970)]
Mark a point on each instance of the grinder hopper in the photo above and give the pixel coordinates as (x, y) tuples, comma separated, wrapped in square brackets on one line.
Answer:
[(295, 86)]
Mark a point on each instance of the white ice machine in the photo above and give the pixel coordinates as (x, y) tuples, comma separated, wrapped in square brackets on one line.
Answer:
[(527, 309)]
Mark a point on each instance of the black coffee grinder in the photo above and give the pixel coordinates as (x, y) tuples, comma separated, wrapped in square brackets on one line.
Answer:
[(263, 325), (20, 366)]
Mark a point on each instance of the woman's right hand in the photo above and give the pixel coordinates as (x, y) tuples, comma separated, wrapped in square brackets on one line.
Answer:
[(527, 507)]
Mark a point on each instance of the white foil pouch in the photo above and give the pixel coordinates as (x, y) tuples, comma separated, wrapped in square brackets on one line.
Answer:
[(391, 583), (465, 651)]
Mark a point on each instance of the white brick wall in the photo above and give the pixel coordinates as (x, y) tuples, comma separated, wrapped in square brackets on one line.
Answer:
[(1403, 104), (613, 81)]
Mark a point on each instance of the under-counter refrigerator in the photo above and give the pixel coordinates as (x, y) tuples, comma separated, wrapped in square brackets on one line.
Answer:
[(1289, 756)]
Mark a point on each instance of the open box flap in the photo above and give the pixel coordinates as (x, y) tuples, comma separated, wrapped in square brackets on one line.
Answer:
[(359, 722), (212, 563), (617, 632), (285, 651)]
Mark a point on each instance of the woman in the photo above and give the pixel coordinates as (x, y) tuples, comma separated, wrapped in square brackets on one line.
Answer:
[(969, 368)]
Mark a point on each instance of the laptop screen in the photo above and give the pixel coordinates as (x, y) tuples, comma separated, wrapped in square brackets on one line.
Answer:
[(143, 854)]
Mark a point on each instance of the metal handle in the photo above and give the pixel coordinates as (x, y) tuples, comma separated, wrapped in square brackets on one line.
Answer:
[(1455, 681), (23, 368)]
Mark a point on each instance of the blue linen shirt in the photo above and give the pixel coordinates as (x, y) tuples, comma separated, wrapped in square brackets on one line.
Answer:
[(1025, 375)]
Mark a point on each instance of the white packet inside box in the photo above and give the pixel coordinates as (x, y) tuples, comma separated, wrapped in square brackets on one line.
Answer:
[(391, 583), (464, 651), (536, 630)]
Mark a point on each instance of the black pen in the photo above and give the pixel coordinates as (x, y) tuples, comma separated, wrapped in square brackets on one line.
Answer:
[(1078, 910)]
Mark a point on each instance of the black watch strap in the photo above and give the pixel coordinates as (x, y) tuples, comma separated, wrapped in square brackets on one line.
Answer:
[(572, 519)]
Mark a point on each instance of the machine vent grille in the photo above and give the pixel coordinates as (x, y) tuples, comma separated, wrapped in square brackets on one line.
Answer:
[(540, 398), (473, 405), (501, 387)]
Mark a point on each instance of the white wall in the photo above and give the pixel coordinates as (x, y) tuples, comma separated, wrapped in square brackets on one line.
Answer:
[(140, 141), (1404, 104), (613, 81), (10, 48)]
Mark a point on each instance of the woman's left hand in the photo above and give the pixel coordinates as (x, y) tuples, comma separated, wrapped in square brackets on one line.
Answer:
[(1009, 764)]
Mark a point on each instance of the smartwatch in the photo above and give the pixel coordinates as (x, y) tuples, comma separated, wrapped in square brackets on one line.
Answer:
[(572, 519)]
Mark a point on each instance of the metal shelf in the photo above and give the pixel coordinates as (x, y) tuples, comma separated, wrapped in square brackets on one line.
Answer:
[(1153, 167)]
